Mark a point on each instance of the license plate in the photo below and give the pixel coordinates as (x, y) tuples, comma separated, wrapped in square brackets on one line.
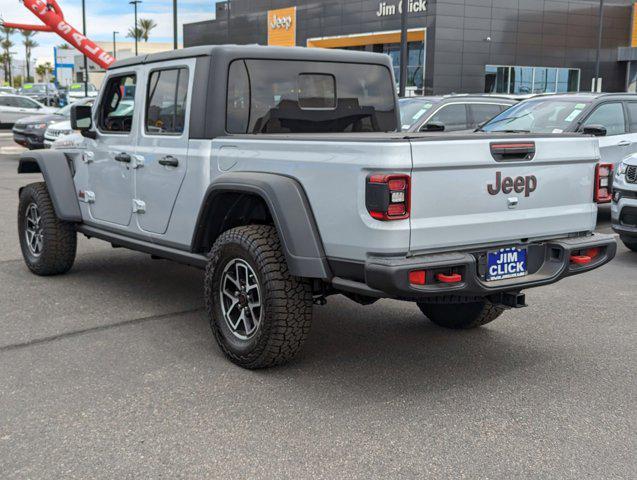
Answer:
[(506, 263)]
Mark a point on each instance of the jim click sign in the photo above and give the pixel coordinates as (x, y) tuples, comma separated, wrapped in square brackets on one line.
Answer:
[(387, 9)]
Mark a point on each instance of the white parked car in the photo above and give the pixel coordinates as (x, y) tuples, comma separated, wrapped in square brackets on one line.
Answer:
[(76, 92), (15, 107)]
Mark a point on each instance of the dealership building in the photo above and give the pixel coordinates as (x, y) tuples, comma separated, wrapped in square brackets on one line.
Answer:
[(498, 46)]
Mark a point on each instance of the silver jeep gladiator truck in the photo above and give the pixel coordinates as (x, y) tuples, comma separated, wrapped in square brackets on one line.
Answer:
[(282, 173)]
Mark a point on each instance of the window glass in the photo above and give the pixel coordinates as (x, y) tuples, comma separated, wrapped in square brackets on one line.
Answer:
[(632, 116), (5, 102), (521, 80), (609, 115), (453, 117), (118, 104), (166, 101), (238, 102), (317, 91), (26, 103), (412, 111), (482, 112), (364, 102)]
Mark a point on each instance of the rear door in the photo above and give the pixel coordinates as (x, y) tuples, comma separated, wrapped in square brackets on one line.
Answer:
[(163, 142), (462, 195), (615, 145), (453, 116)]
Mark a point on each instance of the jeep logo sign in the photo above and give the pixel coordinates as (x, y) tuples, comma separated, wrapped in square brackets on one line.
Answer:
[(282, 27), (506, 185), (280, 22)]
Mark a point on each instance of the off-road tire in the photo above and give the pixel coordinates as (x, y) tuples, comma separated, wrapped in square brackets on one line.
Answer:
[(59, 238), (631, 245), (461, 316), (286, 300)]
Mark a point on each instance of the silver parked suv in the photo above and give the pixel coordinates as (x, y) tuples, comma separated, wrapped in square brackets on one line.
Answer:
[(624, 206)]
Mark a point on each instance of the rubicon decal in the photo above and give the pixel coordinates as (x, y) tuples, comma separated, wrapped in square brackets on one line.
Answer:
[(506, 185)]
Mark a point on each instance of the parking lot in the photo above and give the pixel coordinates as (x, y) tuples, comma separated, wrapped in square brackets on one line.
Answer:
[(111, 372)]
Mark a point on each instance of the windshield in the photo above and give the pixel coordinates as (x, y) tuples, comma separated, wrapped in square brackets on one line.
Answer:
[(66, 111), (36, 88), (411, 111), (538, 116), (78, 87)]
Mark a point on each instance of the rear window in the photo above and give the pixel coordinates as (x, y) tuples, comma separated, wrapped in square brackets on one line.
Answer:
[(282, 96)]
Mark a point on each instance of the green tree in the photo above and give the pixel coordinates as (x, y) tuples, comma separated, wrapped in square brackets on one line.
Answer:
[(134, 33), (29, 44), (64, 46), (44, 70), (146, 25), (6, 45)]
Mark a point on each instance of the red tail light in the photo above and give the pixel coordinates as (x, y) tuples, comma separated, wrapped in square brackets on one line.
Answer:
[(387, 196), (418, 277), (603, 178)]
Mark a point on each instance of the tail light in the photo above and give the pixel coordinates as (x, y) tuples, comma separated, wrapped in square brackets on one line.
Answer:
[(603, 178), (387, 196)]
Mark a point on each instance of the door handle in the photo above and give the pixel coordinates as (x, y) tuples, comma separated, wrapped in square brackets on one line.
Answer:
[(123, 157), (624, 143), (169, 161)]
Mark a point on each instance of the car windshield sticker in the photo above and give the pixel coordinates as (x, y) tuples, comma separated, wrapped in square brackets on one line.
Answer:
[(422, 111), (28, 86), (573, 115), (557, 130)]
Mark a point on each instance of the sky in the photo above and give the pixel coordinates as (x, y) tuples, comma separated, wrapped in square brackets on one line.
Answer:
[(105, 16)]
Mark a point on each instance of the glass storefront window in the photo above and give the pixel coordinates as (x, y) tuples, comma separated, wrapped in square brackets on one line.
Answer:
[(526, 80), (415, 64)]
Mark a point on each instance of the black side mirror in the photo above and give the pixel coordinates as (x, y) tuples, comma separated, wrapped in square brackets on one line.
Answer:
[(596, 130), (433, 127), (81, 119)]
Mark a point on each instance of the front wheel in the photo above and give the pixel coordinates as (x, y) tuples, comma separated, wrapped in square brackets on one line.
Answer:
[(259, 313), (461, 315), (48, 244)]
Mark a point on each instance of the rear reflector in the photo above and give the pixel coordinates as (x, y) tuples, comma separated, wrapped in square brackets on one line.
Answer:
[(603, 178), (387, 196), (453, 278), (581, 259), (418, 277)]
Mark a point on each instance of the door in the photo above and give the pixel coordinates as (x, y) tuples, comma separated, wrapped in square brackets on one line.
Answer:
[(7, 110), (453, 116), (614, 145), (25, 107), (163, 144), (631, 136), (112, 156)]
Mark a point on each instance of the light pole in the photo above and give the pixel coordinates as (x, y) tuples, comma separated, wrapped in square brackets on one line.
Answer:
[(599, 44), (85, 59), (175, 32), (114, 45), (134, 4), (402, 86)]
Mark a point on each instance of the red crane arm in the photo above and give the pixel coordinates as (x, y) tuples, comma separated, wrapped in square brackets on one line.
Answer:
[(51, 15)]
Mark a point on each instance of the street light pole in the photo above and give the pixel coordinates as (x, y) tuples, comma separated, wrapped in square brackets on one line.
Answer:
[(599, 43), (134, 3), (114, 45), (175, 28), (403, 49), (85, 58)]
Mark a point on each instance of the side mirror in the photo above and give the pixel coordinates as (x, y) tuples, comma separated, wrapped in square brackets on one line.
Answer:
[(596, 130), (433, 127), (81, 119)]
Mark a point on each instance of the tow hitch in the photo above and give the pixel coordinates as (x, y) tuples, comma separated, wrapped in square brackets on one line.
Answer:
[(509, 299)]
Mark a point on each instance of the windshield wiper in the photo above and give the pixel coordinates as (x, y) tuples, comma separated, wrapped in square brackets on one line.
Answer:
[(511, 119)]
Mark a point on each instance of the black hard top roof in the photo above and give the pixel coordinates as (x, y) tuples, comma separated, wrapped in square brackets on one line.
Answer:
[(257, 51)]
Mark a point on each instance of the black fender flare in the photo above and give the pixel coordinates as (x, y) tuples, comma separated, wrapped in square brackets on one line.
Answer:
[(55, 168), (291, 212)]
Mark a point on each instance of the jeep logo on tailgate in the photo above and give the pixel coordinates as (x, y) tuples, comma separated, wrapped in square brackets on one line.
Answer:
[(507, 185)]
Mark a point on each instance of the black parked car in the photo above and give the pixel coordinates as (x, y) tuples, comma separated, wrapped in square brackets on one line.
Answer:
[(29, 131), (45, 93), (450, 113)]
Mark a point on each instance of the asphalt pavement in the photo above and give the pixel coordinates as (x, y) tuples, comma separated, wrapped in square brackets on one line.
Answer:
[(111, 371)]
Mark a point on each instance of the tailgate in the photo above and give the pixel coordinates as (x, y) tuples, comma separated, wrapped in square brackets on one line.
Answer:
[(462, 194)]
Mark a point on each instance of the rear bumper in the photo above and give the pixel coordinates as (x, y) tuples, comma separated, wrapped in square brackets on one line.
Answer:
[(624, 214), (548, 262)]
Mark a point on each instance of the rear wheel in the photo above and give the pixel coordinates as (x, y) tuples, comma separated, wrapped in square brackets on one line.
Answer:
[(461, 315), (48, 244), (259, 313)]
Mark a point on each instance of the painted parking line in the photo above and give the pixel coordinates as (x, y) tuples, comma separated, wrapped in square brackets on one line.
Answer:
[(11, 150)]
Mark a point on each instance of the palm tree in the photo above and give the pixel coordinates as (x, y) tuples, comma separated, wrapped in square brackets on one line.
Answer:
[(146, 25), (135, 33), (44, 70), (29, 44), (64, 46), (7, 45)]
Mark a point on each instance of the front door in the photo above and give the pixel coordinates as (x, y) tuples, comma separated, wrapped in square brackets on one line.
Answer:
[(614, 145), (163, 143), (111, 157)]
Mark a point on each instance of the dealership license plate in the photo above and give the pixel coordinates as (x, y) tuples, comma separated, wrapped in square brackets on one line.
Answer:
[(506, 263)]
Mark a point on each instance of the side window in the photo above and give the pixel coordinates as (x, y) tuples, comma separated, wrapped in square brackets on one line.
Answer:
[(116, 110), (632, 116), (481, 112), (453, 117), (609, 115), (238, 101), (25, 103), (317, 91), (5, 102), (166, 101)]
